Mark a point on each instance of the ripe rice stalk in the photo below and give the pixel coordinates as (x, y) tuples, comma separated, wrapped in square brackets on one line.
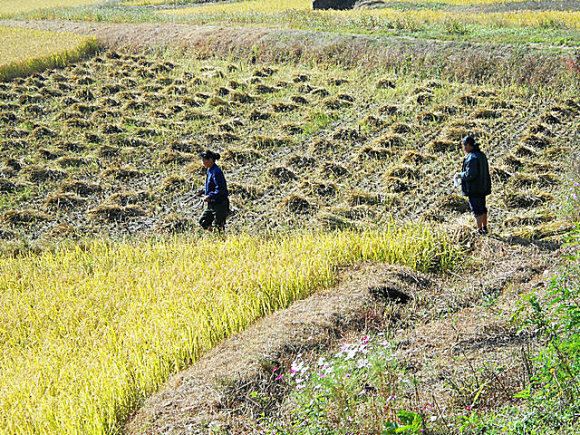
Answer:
[(88, 331), (25, 51)]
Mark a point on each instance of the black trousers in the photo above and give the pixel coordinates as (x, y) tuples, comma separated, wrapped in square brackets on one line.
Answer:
[(215, 214), (478, 205)]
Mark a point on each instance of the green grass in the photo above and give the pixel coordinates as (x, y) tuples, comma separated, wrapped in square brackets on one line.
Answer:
[(549, 404), (88, 331)]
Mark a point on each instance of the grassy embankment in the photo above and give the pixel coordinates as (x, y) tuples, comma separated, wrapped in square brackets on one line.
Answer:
[(365, 387), (25, 51), (89, 331), (474, 21)]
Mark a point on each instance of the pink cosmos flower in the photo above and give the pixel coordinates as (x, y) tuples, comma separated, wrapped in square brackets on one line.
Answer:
[(279, 377)]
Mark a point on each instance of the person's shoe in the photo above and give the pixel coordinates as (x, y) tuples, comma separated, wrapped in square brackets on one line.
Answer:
[(482, 231), (485, 231)]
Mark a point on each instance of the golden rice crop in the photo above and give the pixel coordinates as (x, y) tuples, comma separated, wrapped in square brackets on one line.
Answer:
[(23, 51), (418, 2), (252, 10), (249, 6), (14, 7), (88, 331)]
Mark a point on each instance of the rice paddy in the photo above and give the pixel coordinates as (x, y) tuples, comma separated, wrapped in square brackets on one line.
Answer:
[(255, 11), (14, 7), (106, 283), (89, 330), (109, 146), (24, 51)]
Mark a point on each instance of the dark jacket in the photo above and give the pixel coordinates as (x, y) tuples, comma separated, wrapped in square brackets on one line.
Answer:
[(215, 184), (475, 179)]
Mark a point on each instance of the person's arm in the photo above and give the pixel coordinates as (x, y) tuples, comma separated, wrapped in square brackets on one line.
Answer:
[(471, 170), (220, 185)]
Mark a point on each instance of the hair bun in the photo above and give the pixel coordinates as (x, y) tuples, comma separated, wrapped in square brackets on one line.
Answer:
[(216, 156)]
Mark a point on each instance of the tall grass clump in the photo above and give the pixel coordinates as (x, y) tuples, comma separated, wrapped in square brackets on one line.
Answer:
[(88, 331), (25, 51)]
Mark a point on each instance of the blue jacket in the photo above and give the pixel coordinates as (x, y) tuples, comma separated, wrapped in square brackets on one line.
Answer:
[(475, 179), (215, 184)]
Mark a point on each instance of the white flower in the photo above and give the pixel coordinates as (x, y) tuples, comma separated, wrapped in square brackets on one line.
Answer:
[(297, 367), (362, 363), (321, 361), (351, 353)]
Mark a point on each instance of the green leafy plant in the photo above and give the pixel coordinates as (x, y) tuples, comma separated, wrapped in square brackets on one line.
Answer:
[(355, 390)]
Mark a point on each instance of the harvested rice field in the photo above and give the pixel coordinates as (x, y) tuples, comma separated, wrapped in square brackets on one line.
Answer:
[(109, 146)]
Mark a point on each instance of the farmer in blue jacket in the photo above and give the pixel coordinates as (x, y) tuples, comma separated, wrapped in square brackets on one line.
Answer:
[(215, 194), (475, 181)]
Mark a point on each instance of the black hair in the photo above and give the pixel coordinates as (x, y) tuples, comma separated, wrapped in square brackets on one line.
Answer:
[(470, 140), (208, 154)]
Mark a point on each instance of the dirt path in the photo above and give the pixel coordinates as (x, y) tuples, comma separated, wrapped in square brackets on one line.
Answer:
[(451, 329)]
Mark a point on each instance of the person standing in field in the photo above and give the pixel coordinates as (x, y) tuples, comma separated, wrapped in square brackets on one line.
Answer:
[(475, 181), (215, 194)]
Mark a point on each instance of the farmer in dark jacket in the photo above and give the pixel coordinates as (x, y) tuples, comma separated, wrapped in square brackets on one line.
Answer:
[(215, 194), (475, 181)]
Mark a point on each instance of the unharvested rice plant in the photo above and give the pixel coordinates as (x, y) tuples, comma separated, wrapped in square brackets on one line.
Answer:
[(351, 291), (137, 312), (26, 51), (14, 7), (254, 11)]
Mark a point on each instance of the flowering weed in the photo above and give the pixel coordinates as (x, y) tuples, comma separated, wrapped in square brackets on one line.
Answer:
[(356, 390)]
